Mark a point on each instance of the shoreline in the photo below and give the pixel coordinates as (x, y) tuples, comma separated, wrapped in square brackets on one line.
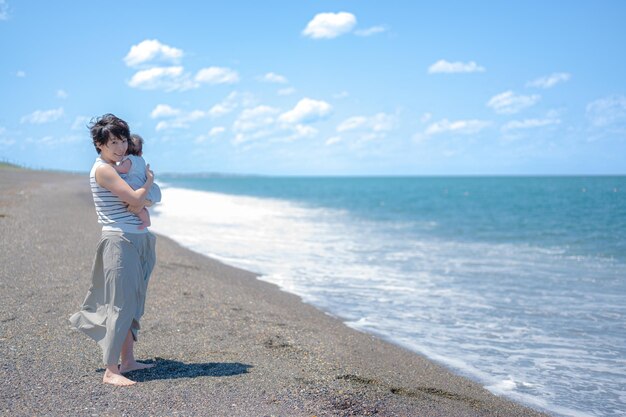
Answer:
[(225, 342)]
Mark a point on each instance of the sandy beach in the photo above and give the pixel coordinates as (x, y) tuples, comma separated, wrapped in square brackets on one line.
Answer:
[(224, 342)]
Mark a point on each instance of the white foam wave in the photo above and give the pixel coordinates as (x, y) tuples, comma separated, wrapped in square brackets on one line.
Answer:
[(490, 311)]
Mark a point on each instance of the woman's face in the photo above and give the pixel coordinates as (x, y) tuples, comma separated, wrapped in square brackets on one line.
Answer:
[(114, 150)]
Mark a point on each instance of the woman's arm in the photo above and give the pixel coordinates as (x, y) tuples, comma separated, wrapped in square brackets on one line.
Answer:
[(107, 177)]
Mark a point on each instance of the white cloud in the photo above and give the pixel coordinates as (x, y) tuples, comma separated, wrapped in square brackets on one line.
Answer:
[(332, 140), (380, 122), (226, 106), (43, 116), (255, 118), (163, 125), (529, 124), (4, 10), (443, 66), (221, 109), (20, 74), (370, 31), (195, 115), (217, 130), (80, 123), (62, 94), (267, 122), (50, 140), (272, 77), (303, 131), (217, 75), (352, 123), (174, 77), (550, 80), (149, 50), (166, 125), (510, 103), (165, 78), (607, 112), (465, 127), (365, 128), (233, 101), (286, 91), (426, 117), (329, 25), (306, 110), (181, 121), (164, 110)]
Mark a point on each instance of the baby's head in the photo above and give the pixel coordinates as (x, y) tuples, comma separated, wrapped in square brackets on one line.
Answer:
[(135, 145)]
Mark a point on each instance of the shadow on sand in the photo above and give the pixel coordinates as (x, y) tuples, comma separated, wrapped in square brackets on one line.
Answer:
[(170, 369)]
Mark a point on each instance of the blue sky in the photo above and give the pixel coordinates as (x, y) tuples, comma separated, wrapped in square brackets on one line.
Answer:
[(320, 87)]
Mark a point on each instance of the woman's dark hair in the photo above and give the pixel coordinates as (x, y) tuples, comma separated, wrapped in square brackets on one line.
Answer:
[(106, 128)]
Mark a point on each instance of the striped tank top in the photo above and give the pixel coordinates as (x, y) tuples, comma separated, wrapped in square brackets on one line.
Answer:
[(112, 213)]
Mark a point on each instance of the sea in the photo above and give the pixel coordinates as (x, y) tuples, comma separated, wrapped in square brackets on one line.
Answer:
[(518, 283)]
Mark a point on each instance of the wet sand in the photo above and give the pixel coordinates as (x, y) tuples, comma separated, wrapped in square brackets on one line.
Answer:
[(224, 343)]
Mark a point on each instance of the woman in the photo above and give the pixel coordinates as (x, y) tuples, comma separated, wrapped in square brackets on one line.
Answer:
[(124, 258)]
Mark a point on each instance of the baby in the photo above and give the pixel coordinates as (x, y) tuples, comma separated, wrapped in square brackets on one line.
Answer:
[(133, 170)]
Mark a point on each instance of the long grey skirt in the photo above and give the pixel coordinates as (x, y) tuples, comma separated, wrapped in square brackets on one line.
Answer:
[(119, 280)]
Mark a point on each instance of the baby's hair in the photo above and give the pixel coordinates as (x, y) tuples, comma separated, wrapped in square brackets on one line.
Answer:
[(135, 145)]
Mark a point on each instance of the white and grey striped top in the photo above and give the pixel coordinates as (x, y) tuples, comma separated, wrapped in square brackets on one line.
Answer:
[(112, 213)]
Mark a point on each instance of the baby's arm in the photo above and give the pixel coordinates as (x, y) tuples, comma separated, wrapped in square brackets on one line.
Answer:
[(123, 167)]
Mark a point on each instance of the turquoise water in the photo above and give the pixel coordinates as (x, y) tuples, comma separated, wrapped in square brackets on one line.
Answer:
[(584, 215), (518, 282)]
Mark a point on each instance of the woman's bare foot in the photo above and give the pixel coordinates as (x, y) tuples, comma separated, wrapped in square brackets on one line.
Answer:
[(134, 366), (116, 379)]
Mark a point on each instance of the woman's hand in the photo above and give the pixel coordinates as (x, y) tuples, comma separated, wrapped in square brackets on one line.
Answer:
[(135, 209)]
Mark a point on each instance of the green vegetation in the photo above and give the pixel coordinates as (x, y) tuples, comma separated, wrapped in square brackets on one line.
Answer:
[(7, 165)]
